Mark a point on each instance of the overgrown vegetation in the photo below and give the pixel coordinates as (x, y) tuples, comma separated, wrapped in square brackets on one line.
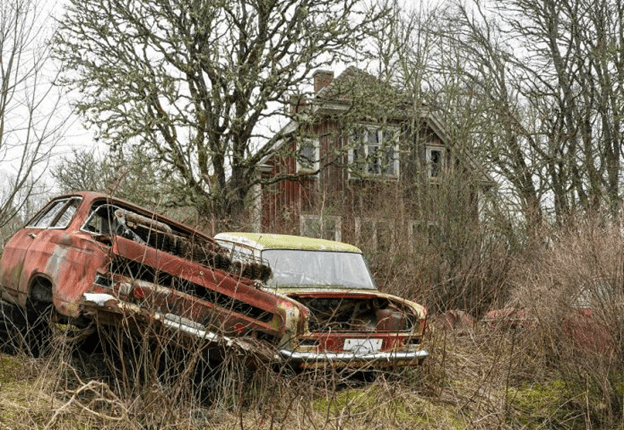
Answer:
[(531, 88), (563, 370)]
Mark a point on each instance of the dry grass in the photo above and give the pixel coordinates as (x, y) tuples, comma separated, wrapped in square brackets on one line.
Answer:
[(575, 291), (477, 379), (542, 375), (463, 385)]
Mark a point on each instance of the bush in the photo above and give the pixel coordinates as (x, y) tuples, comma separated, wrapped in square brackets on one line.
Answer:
[(575, 292)]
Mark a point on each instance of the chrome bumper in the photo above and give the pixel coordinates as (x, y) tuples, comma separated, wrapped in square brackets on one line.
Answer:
[(103, 301), (348, 357)]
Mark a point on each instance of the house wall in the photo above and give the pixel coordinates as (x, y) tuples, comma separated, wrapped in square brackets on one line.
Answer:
[(412, 203), (281, 202)]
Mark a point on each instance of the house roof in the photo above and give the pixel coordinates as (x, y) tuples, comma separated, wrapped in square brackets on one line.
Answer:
[(354, 79), (384, 101), (377, 95)]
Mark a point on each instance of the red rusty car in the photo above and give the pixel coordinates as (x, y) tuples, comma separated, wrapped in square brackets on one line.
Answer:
[(90, 256), (583, 329), (93, 256)]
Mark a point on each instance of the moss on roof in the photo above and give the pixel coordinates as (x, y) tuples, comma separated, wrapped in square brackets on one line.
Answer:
[(284, 241)]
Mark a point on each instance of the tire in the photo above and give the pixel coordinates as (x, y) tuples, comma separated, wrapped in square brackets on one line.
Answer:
[(37, 332)]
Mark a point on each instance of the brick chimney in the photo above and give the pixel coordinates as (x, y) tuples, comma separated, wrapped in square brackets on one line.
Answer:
[(322, 78)]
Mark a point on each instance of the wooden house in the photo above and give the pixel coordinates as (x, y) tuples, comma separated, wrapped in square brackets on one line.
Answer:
[(366, 166)]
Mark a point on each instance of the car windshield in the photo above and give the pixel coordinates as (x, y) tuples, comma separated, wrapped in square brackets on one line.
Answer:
[(309, 269)]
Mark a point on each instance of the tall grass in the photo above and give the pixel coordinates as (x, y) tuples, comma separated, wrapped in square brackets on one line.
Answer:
[(562, 369), (575, 292)]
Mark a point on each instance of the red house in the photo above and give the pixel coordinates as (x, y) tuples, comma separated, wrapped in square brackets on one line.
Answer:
[(367, 167)]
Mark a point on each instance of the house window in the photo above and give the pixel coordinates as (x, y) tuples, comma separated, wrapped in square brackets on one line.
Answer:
[(374, 233), (308, 155), (435, 161), (424, 233), (324, 227), (375, 152)]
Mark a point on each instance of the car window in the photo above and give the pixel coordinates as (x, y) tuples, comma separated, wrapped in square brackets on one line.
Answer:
[(66, 214), (101, 220), (58, 215), (309, 268)]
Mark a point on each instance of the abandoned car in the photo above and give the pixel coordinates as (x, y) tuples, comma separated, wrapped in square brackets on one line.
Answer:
[(346, 319), (91, 257)]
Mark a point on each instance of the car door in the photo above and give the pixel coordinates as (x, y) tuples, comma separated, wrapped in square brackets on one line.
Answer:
[(31, 247)]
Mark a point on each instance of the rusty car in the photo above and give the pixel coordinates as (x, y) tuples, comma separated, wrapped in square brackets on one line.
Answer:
[(347, 321), (88, 257)]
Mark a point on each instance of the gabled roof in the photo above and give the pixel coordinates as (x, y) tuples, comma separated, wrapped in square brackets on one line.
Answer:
[(350, 80), (357, 88)]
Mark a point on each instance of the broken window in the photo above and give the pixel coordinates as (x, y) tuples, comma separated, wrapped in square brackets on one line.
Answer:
[(107, 219), (435, 161), (375, 152)]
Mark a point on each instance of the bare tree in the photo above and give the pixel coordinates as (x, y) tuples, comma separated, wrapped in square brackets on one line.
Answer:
[(197, 82), (534, 87), (30, 123), (543, 81)]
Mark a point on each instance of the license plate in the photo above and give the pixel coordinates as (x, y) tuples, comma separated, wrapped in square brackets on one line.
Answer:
[(362, 346)]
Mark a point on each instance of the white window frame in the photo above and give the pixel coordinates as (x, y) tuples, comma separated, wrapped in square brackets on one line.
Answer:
[(359, 221), (429, 160), (321, 219), (364, 146), (315, 165)]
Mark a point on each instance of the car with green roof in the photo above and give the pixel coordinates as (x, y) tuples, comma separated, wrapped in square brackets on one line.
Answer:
[(345, 321)]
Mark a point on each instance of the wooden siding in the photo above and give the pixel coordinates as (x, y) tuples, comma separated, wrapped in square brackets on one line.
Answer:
[(410, 196)]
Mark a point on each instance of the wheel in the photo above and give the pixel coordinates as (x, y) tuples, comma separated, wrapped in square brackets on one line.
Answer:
[(37, 332)]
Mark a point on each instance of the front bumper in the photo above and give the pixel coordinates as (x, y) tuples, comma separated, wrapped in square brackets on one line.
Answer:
[(390, 357), (96, 303), (102, 303)]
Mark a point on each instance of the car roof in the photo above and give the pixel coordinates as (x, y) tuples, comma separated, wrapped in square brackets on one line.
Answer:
[(284, 241)]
